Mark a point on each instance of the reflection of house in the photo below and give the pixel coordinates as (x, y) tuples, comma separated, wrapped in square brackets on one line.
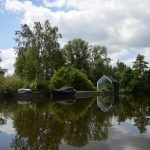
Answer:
[(107, 102), (103, 107), (108, 83)]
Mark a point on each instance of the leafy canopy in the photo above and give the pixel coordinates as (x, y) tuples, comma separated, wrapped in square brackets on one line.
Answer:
[(37, 50), (70, 76)]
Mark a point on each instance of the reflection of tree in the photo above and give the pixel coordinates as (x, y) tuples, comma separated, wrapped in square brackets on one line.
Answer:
[(76, 132), (91, 125), (44, 125), (141, 121), (2, 121), (45, 128), (76, 119), (99, 125), (39, 129), (19, 143), (134, 108)]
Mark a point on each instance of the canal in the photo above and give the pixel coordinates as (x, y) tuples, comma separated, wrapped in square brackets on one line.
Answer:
[(104, 122)]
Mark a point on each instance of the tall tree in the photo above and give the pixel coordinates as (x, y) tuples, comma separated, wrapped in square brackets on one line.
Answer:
[(99, 62), (140, 65), (119, 70), (37, 51), (92, 59), (77, 54)]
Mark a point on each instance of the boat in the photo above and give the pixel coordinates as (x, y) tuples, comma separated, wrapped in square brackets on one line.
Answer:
[(63, 92), (24, 91), (23, 102)]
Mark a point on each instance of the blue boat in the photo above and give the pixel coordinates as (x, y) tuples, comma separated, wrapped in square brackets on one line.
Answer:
[(24, 91)]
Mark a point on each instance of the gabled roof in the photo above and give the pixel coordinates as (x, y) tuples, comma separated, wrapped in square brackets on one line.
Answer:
[(109, 78)]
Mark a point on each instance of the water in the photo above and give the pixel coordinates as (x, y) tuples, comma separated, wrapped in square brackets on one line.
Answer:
[(107, 123)]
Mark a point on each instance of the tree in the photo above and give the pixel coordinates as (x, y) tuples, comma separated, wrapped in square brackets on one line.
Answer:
[(92, 59), (77, 54), (126, 79), (2, 70), (70, 76), (119, 70), (140, 65), (37, 51), (99, 62)]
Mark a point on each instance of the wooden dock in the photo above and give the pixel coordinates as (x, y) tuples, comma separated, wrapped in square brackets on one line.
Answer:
[(81, 94)]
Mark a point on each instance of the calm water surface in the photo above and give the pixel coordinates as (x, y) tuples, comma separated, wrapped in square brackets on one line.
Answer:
[(107, 123)]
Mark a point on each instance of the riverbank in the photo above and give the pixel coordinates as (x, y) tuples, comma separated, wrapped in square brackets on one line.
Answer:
[(37, 95)]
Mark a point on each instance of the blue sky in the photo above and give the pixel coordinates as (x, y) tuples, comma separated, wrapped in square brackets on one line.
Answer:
[(121, 25), (9, 24)]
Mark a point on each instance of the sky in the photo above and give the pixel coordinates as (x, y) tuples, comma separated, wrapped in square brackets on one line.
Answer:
[(123, 26)]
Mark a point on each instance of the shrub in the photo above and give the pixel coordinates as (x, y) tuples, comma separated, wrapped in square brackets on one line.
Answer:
[(10, 84), (42, 86), (70, 76)]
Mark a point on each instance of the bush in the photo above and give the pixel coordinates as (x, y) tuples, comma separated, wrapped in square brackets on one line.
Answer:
[(70, 76), (10, 84), (42, 86), (1, 83)]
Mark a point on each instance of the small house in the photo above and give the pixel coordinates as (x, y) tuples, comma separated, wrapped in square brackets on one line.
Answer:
[(108, 83)]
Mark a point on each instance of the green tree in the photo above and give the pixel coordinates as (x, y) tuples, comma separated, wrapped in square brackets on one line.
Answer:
[(99, 62), (37, 51), (126, 79), (10, 84), (77, 54), (140, 65), (92, 59), (2, 70), (119, 70), (70, 76)]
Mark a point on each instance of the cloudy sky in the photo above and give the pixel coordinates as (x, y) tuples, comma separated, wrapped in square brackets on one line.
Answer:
[(123, 26)]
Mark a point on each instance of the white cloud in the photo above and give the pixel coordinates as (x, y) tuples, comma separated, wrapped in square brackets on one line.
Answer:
[(8, 59), (120, 25), (14, 5), (146, 53), (116, 53), (57, 3)]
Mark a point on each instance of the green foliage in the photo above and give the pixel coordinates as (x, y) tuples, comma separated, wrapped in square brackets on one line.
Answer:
[(2, 83), (37, 51), (42, 86), (77, 53), (70, 76), (140, 66), (2, 70), (39, 59), (10, 84), (99, 62), (135, 80), (91, 59)]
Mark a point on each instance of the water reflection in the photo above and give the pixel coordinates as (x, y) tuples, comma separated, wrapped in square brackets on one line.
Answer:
[(46, 125), (106, 103), (2, 119)]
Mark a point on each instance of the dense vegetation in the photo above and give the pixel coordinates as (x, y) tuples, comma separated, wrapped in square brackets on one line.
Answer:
[(70, 76), (41, 64)]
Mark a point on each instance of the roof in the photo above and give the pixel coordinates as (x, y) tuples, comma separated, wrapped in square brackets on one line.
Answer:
[(109, 78)]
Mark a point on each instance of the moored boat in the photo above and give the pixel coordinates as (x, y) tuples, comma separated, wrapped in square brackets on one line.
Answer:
[(63, 92), (24, 91)]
